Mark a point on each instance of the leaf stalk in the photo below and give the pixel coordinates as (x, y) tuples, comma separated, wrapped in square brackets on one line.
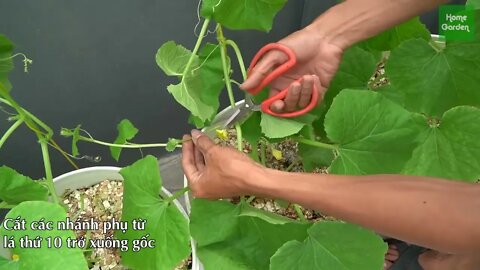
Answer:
[(48, 169), (316, 143), (9, 131), (196, 48), (129, 145)]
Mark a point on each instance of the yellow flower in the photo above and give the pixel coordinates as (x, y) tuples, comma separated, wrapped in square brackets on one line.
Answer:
[(15, 257), (277, 154), (222, 134)]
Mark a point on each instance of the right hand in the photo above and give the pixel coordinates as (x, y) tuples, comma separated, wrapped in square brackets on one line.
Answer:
[(317, 62)]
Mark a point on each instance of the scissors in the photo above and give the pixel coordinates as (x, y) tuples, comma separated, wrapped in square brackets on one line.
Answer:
[(243, 110)]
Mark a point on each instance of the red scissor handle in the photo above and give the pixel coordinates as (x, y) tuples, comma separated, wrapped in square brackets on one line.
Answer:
[(292, 60)]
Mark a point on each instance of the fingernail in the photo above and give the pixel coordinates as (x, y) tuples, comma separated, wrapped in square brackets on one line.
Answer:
[(195, 134)]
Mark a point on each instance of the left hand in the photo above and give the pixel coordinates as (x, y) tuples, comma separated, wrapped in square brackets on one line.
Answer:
[(215, 172)]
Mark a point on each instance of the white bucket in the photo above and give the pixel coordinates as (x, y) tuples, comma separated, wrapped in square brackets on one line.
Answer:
[(88, 177)]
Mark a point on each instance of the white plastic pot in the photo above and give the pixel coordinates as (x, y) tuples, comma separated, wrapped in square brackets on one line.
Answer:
[(91, 176)]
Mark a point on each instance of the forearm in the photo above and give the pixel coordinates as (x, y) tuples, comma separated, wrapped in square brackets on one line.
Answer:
[(439, 214), (355, 20)]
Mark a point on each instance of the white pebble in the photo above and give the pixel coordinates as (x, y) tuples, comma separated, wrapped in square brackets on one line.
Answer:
[(106, 204)]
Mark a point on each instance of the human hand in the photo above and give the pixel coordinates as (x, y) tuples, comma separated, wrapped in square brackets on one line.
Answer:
[(317, 62), (215, 172)]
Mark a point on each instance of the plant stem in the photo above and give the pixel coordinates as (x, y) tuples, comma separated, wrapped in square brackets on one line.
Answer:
[(64, 154), (130, 145), (196, 48), (316, 143), (263, 149), (48, 169), (226, 68), (31, 121), (177, 194), (290, 167), (299, 212), (226, 75), (5, 205), (48, 130), (10, 131), (239, 137), (437, 47), (238, 53), (254, 153), (250, 199)]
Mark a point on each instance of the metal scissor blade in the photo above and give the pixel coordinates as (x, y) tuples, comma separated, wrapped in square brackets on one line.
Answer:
[(224, 120)]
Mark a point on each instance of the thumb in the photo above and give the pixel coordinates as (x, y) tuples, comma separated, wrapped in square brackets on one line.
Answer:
[(202, 142), (262, 68)]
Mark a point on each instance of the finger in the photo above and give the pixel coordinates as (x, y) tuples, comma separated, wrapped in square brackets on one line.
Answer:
[(188, 158), (263, 68), (306, 95), (392, 247), (293, 96), (199, 159), (391, 257), (278, 106), (320, 88), (393, 253), (202, 142)]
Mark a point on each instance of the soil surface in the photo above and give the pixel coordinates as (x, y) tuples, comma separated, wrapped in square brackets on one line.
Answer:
[(102, 202)]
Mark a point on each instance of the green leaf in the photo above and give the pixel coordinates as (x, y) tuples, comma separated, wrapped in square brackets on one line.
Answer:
[(276, 127), (251, 130), (247, 14), (6, 63), (126, 131), (200, 87), (356, 69), (172, 58), (75, 138), (449, 148), (473, 3), (239, 236), (187, 94), (373, 134), (16, 188), (197, 122), (44, 257), (332, 245), (392, 94), (394, 36), (211, 74), (165, 223), (172, 144), (435, 81), (314, 157), (8, 264)]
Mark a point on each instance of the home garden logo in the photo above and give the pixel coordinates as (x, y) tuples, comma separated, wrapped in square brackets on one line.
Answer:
[(457, 22)]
